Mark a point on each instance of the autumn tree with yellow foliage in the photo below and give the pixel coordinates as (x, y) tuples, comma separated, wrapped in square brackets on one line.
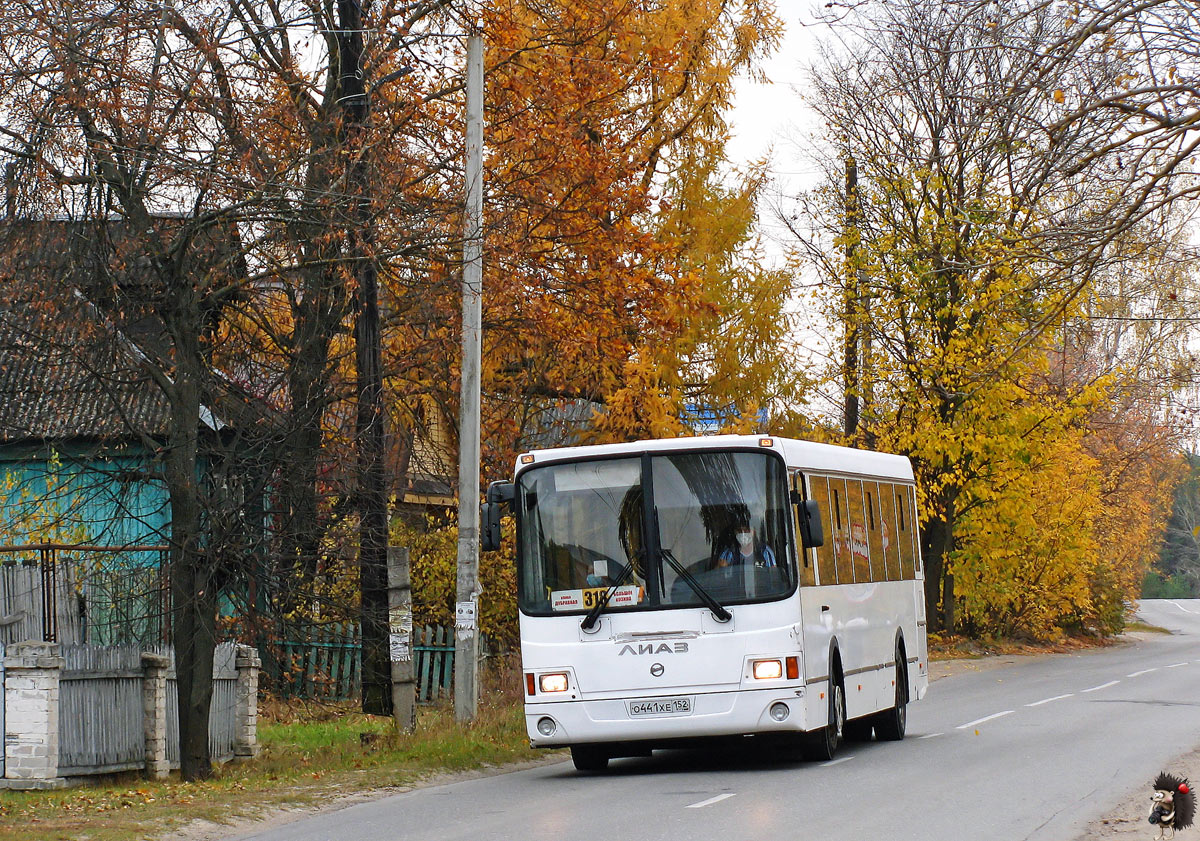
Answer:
[(984, 223), (606, 136)]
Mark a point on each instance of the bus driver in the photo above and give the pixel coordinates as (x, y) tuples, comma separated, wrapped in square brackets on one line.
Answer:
[(749, 549)]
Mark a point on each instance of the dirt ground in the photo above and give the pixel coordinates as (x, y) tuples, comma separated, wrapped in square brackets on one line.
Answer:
[(1131, 818)]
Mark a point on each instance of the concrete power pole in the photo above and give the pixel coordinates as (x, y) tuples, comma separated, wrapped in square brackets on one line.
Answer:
[(466, 633), (851, 372)]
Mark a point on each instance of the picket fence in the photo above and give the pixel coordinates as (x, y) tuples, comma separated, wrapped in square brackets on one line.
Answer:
[(328, 665)]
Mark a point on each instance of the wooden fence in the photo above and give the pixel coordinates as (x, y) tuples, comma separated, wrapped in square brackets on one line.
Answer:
[(328, 665), (433, 663), (325, 666), (101, 709)]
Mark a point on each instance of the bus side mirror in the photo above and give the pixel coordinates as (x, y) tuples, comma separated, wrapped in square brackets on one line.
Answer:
[(498, 494), (489, 526), (812, 534)]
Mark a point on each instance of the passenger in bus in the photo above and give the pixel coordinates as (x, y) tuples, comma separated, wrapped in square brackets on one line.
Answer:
[(629, 532), (748, 549)]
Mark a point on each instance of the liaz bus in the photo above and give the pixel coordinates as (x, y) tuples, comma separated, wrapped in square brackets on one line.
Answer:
[(715, 586)]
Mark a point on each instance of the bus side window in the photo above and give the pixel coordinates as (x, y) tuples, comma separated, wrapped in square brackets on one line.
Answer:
[(843, 565), (912, 495), (907, 531), (875, 531), (891, 530), (858, 531), (818, 490)]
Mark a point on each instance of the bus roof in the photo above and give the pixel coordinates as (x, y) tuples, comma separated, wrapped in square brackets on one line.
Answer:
[(805, 455)]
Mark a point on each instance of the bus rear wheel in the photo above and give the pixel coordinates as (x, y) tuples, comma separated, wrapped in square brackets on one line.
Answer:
[(589, 757), (891, 724)]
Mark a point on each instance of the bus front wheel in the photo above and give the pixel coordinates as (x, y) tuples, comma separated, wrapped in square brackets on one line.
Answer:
[(826, 741), (589, 757)]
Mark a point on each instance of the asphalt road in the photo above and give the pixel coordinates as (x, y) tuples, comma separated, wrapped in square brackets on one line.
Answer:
[(1030, 749)]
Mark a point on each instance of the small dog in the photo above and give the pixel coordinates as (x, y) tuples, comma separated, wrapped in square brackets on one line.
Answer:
[(1174, 804)]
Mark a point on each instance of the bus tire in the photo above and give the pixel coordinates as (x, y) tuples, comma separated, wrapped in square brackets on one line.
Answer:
[(589, 757), (828, 739), (891, 724)]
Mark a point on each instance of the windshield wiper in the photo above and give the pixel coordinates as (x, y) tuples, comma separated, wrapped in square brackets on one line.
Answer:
[(721, 614), (593, 615)]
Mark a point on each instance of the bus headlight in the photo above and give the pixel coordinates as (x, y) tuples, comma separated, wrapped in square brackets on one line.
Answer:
[(767, 669), (554, 682)]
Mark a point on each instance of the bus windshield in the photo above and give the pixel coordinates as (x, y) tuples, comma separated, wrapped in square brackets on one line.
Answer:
[(635, 522)]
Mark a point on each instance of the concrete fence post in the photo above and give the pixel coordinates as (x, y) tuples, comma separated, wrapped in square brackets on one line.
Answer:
[(245, 739), (154, 705), (33, 671)]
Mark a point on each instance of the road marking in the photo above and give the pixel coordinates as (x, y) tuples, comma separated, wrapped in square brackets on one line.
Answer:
[(1181, 607), (1176, 665), (711, 800), (982, 720), (836, 761), (932, 735), (1143, 672), (1048, 700), (1102, 686)]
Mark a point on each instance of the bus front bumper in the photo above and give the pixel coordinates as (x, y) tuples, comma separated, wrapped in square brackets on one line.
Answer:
[(744, 712)]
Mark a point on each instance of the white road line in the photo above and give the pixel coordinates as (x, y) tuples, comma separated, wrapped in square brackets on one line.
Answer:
[(932, 735), (1181, 607), (1048, 700), (1142, 672), (836, 761), (1176, 665), (985, 718), (1102, 686), (711, 800)]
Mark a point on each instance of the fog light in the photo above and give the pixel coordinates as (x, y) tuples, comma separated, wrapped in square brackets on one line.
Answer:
[(767, 669), (546, 726), (779, 711), (556, 682)]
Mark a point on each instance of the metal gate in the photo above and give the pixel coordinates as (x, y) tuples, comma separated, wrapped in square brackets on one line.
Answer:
[(2, 694)]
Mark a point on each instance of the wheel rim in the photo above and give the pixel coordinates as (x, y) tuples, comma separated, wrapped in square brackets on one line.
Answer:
[(839, 713)]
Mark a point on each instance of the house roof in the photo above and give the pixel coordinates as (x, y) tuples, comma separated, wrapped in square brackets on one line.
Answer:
[(66, 373), (78, 324)]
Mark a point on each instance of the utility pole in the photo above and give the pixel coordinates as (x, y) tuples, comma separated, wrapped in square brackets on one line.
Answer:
[(400, 638), (850, 361), (466, 625)]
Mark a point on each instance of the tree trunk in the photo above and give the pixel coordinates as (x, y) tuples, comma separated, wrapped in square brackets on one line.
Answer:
[(309, 385), (193, 584), (372, 482), (937, 540)]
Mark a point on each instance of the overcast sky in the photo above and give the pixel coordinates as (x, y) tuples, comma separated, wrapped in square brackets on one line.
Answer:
[(771, 119)]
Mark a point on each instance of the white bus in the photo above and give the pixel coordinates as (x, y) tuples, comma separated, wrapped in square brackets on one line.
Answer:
[(684, 588)]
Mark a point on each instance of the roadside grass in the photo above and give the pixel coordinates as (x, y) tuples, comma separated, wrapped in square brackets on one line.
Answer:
[(1146, 628), (944, 646), (310, 754)]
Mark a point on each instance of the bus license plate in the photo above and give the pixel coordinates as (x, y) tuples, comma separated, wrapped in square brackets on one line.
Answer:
[(660, 706)]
